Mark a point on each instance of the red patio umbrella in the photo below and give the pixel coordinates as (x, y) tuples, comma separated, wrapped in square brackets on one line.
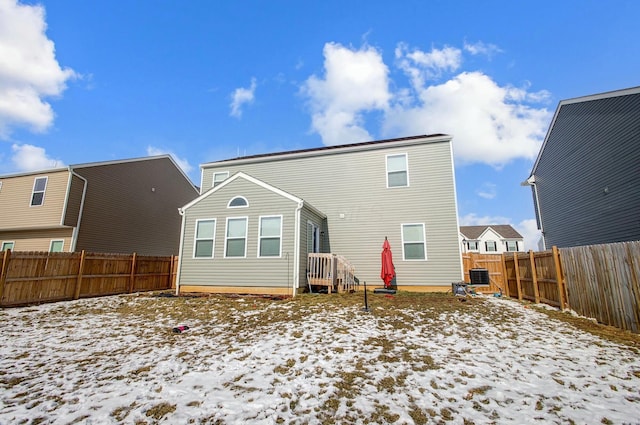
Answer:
[(388, 270)]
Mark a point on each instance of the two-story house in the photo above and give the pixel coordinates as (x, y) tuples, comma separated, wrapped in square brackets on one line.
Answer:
[(117, 207), (585, 179), (491, 239), (258, 217)]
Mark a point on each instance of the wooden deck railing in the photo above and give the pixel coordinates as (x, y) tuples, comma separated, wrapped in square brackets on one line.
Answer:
[(331, 271)]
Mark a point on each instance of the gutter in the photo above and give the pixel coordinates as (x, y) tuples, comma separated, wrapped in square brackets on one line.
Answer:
[(531, 181)]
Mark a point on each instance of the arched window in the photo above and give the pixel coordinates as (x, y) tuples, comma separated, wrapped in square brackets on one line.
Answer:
[(238, 202)]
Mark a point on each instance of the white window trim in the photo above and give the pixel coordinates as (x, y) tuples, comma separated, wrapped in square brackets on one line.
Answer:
[(195, 239), (213, 178), (44, 191), (268, 237), (0, 184), (246, 231), (477, 242), (506, 246), (424, 241), (238, 206), (486, 246), (406, 165), (54, 241), (2, 248)]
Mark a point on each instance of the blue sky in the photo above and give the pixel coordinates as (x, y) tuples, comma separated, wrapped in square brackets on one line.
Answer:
[(84, 81)]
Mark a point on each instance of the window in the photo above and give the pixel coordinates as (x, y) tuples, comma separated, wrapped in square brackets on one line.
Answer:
[(0, 184), (39, 186), (414, 246), (204, 238), (472, 245), (7, 245), (397, 171), (56, 245), (490, 246), (219, 177), (236, 240), (238, 202), (512, 245), (313, 237), (270, 236)]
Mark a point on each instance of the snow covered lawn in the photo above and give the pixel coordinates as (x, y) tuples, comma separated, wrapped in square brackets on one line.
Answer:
[(317, 359)]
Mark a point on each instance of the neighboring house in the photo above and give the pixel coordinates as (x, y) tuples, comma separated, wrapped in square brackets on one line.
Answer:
[(490, 239), (116, 207), (585, 179), (258, 217)]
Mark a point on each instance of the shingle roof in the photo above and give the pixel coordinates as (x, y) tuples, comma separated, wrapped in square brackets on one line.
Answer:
[(504, 230)]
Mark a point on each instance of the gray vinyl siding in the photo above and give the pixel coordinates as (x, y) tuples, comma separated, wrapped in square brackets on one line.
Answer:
[(350, 187), (306, 215), (132, 206), (592, 146), (250, 271)]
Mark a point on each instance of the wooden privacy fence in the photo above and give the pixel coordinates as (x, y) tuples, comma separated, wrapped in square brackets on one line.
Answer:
[(603, 282), (39, 277), (494, 265)]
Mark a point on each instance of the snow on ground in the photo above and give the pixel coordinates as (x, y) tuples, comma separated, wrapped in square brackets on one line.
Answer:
[(115, 360)]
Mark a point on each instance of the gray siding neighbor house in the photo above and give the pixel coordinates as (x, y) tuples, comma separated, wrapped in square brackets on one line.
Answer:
[(259, 217), (585, 179), (120, 206)]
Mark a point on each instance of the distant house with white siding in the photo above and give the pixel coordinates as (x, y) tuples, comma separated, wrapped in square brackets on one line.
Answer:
[(491, 239), (585, 179), (258, 217)]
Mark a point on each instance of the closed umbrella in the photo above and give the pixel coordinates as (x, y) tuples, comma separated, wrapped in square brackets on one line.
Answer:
[(388, 271)]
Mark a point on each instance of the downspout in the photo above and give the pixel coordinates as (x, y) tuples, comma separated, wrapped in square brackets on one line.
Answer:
[(296, 249), (531, 181), (76, 229), (180, 252)]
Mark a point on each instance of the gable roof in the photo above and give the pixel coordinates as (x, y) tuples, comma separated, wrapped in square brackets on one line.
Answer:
[(504, 230), (325, 150), (633, 91), (100, 164), (245, 176)]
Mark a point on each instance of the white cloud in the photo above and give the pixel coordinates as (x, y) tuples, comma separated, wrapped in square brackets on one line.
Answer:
[(32, 158), (182, 163), (487, 191), (473, 219), (422, 66), (529, 230), (29, 72), (242, 96), (480, 48), (488, 123), (355, 81)]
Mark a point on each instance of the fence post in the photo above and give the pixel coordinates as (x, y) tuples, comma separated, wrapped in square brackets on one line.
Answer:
[(534, 276), (3, 271), (516, 268), (559, 277), (505, 277), (132, 277), (76, 293)]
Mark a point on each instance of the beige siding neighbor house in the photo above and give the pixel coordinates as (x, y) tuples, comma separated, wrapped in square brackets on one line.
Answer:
[(118, 207), (340, 199)]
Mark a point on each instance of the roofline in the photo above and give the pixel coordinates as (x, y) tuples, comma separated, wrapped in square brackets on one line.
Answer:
[(588, 98), (71, 168), (328, 150), (258, 182)]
